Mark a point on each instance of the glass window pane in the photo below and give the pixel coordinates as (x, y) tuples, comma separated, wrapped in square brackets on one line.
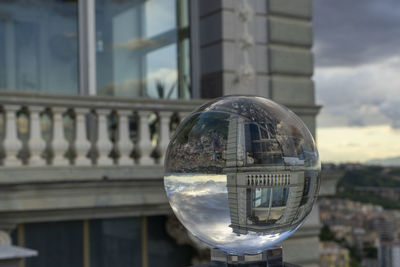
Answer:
[(137, 48), (39, 45), (162, 73), (255, 134), (58, 243), (279, 196), (115, 242), (261, 197), (2, 55), (160, 16)]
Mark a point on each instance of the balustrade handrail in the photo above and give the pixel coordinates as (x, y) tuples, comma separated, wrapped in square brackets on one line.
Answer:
[(139, 132), (139, 135), (89, 101)]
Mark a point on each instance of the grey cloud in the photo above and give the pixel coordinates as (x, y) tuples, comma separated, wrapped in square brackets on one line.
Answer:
[(360, 96), (392, 110), (356, 32)]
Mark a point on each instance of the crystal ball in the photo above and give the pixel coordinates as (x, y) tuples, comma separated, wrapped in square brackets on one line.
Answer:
[(242, 173)]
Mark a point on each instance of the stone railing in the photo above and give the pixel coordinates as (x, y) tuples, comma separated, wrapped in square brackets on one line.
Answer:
[(62, 130)]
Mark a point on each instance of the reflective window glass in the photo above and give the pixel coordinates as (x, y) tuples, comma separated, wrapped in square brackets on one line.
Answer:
[(115, 242), (39, 45), (138, 48), (261, 197), (58, 244), (279, 196), (255, 134)]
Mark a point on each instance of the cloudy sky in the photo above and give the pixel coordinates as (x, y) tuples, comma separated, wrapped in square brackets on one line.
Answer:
[(357, 77)]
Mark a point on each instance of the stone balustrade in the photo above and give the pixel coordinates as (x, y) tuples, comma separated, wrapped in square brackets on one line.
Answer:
[(64, 130)]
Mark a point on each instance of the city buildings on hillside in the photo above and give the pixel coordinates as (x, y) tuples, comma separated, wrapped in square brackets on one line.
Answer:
[(90, 93), (333, 255), (372, 232), (389, 254)]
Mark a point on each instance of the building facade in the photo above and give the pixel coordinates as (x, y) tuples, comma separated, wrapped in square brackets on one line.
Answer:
[(333, 255), (90, 93), (389, 254)]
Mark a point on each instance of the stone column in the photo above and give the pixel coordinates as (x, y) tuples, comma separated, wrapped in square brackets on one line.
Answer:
[(234, 56)]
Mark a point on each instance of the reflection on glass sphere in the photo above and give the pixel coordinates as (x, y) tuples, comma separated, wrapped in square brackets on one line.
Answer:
[(242, 173)]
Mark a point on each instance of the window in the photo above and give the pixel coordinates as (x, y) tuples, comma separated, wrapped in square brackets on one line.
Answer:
[(261, 197), (131, 48), (120, 242), (115, 242), (58, 243), (261, 144), (39, 45), (280, 196)]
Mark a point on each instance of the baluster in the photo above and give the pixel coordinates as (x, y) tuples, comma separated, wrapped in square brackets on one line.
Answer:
[(81, 143), (103, 144), (36, 143), (12, 144), (165, 118), (124, 143), (144, 145), (59, 143)]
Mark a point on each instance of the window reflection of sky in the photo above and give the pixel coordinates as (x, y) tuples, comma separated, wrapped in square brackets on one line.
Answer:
[(162, 67), (160, 16), (39, 46), (140, 52)]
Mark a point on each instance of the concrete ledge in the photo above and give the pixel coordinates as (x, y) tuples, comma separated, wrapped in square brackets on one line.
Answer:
[(38, 202), (296, 252), (96, 102), (78, 195), (52, 174), (83, 214), (329, 181)]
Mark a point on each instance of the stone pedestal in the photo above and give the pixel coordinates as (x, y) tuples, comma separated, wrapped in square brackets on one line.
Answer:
[(269, 258)]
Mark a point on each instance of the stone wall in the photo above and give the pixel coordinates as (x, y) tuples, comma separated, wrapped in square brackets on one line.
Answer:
[(263, 47)]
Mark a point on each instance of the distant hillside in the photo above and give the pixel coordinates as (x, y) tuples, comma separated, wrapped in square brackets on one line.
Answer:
[(371, 176), (356, 184), (384, 162)]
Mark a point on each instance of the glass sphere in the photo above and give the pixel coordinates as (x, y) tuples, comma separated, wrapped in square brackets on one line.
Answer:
[(242, 173)]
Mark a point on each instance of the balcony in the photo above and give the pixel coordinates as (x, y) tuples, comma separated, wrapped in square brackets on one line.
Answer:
[(66, 157), (77, 157)]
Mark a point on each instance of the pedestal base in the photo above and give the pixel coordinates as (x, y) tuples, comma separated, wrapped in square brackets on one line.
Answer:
[(268, 258)]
